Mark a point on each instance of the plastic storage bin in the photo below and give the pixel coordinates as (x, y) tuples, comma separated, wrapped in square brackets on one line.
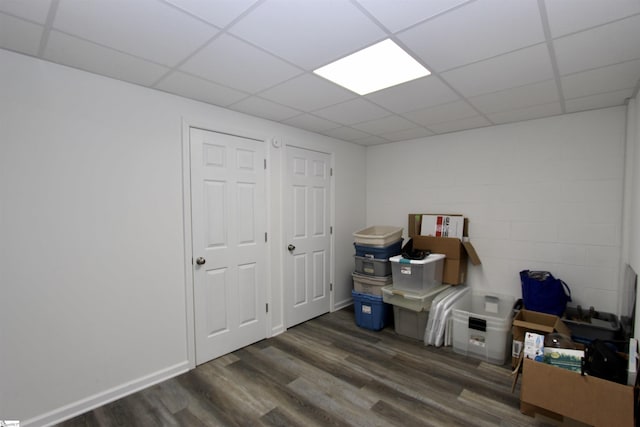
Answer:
[(415, 301), (378, 235), (372, 266), (601, 325), (371, 285), (410, 323), (417, 275), (379, 252), (482, 326), (371, 312)]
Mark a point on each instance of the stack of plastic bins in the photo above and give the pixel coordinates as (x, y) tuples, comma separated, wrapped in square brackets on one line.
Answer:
[(415, 284), (410, 309), (374, 246), (482, 326)]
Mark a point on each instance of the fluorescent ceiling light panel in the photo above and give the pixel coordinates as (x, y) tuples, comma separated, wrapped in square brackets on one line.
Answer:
[(377, 67)]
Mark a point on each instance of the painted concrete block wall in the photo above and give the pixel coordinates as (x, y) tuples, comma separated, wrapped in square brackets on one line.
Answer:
[(544, 194), (631, 235), (92, 253)]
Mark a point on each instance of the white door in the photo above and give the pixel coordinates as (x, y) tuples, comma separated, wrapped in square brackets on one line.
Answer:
[(229, 250), (308, 237)]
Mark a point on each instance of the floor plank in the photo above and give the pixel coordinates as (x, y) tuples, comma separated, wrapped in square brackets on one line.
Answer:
[(326, 372)]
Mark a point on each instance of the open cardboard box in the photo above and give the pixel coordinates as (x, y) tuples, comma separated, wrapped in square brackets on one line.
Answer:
[(533, 321), (457, 251), (557, 393)]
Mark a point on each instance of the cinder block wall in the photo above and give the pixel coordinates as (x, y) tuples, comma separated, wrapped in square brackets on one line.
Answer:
[(542, 194)]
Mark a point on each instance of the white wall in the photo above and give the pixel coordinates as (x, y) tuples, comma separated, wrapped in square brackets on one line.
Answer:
[(92, 254), (543, 194), (631, 234)]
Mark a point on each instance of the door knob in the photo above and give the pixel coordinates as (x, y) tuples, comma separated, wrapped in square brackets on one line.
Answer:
[(200, 261), (291, 248)]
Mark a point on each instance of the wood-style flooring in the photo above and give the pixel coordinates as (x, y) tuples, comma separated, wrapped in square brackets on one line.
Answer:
[(326, 372)]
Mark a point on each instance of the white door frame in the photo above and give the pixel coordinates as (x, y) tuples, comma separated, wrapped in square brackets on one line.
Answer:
[(186, 220)]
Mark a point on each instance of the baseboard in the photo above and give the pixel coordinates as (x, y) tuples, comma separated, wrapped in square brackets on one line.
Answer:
[(342, 304), (108, 396), (277, 331)]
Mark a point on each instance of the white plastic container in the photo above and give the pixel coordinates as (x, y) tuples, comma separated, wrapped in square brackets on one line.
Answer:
[(417, 275), (481, 331), (378, 235), (414, 301), (409, 323)]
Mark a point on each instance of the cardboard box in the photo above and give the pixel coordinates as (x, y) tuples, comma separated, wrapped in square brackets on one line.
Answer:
[(533, 321), (594, 401), (457, 252)]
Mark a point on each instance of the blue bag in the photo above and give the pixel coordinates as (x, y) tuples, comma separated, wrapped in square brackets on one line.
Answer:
[(544, 293)]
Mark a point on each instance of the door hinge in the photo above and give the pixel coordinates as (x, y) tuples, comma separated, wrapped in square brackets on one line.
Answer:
[(330, 287), (265, 163), (267, 307), (330, 171), (265, 237), (331, 229)]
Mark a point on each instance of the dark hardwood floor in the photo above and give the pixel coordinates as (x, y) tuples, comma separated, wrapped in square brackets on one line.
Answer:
[(326, 372)]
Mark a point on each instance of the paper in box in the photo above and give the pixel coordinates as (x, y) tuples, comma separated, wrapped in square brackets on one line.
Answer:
[(442, 226)]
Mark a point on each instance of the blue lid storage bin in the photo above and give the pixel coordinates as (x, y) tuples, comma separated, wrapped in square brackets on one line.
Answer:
[(379, 252), (371, 312)]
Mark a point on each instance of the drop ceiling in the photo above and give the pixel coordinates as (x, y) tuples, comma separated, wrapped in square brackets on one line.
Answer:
[(492, 61)]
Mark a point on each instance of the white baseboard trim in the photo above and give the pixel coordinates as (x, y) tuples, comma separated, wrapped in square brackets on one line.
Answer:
[(277, 331), (81, 406), (342, 304)]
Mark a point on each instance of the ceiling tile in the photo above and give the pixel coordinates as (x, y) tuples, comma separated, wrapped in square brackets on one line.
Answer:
[(397, 15), (599, 47), (534, 112), (311, 122), (36, 11), (442, 113), (525, 96), (385, 125), (145, 28), (503, 72), (407, 134), (346, 133), (266, 109), (220, 12), (371, 140), (19, 35), (605, 79), (196, 88), (463, 124), (307, 93), (244, 67), (350, 112), (568, 16), (308, 33), (82, 54), (414, 95), (476, 31), (609, 99)]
